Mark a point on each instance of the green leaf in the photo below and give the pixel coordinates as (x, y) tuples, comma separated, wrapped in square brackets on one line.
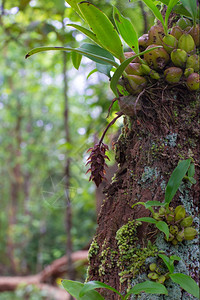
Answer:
[(90, 54), (192, 180), (147, 219), (155, 10), (153, 203), (166, 2), (168, 262), (148, 287), (126, 30), (138, 203), (170, 6), (187, 283), (92, 72), (175, 179), (76, 59), (162, 226), (87, 32), (191, 170), (91, 285), (95, 49), (105, 69), (179, 9), (191, 6), (74, 288), (74, 5), (103, 29), (175, 257), (122, 67)]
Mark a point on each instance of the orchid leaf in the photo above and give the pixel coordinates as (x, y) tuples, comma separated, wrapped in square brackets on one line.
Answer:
[(148, 220), (175, 257), (126, 30), (155, 10), (175, 179), (149, 287), (95, 49), (179, 9), (76, 59), (92, 72), (191, 6), (91, 285), (104, 69), (74, 288), (187, 283), (191, 170), (168, 262), (153, 203), (170, 6), (74, 5), (162, 226), (89, 53), (87, 32), (102, 27)]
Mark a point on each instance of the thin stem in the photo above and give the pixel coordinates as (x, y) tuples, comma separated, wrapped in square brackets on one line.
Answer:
[(119, 114)]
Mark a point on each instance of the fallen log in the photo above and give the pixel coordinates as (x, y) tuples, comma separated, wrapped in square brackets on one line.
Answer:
[(10, 283)]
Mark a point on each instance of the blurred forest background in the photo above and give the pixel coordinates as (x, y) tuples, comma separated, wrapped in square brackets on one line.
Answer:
[(50, 114)]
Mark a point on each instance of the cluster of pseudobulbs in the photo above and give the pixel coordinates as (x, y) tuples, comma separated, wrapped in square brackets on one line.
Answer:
[(179, 223), (176, 62)]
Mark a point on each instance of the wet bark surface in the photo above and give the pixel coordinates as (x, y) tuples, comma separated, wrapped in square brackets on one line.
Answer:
[(166, 129)]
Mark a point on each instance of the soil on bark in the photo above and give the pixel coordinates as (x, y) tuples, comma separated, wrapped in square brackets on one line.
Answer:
[(166, 129)]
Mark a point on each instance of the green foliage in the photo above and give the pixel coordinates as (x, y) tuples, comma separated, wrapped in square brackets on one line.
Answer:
[(187, 283), (187, 8), (169, 261), (191, 7), (170, 6), (91, 285), (162, 226), (176, 179), (93, 52), (149, 288), (126, 30), (155, 11), (74, 288), (86, 291), (103, 29), (76, 59), (103, 33), (173, 184)]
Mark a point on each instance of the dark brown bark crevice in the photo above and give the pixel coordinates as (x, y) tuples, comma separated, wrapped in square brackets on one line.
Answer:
[(149, 148)]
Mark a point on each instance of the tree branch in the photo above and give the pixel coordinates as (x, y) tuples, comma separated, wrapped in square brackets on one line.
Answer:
[(10, 283)]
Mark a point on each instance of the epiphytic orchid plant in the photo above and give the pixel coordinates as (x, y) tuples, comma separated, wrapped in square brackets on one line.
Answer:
[(108, 53), (104, 34)]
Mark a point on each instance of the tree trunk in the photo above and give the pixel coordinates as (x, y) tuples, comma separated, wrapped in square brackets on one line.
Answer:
[(166, 129)]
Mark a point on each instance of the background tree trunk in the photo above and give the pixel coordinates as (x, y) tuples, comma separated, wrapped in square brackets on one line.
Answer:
[(166, 130)]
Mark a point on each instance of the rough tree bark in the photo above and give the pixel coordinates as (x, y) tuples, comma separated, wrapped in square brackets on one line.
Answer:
[(166, 129)]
